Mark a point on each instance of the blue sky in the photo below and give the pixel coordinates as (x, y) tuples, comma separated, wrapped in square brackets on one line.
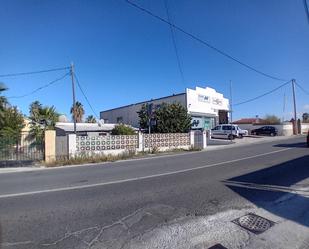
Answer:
[(124, 56)]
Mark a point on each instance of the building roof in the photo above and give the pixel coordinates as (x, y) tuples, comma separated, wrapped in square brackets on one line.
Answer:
[(249, 121), (69, 127), (144, 102)]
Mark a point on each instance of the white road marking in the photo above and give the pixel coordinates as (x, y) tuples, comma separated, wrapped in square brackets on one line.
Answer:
[(137, 178)]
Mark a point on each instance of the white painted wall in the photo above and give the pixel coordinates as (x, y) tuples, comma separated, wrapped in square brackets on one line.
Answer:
[(205, 101), (283, 129), (304, 128)]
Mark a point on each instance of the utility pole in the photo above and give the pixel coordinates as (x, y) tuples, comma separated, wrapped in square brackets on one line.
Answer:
[(231, 108), (294, 102), (73, 95), (284, 101)]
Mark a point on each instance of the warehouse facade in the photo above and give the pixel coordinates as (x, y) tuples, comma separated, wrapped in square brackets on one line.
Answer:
[(206, 106)]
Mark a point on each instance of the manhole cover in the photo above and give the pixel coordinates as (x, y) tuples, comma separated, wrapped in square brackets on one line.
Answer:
[(217, 246), (254, 223)]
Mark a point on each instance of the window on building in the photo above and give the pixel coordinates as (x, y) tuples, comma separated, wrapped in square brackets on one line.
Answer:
[(119, 120)]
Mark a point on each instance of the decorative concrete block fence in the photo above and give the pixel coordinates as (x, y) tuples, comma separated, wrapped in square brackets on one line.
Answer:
[(116, 145)]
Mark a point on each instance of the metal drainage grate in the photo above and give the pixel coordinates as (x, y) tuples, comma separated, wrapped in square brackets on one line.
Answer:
[(254, 223), (217, 246)]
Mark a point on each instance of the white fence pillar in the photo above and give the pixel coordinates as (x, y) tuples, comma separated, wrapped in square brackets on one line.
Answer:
[(204, 139), (192, 138), (140, 141), (71, 145)]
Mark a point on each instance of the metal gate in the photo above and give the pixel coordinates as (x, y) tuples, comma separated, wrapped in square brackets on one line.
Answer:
[(20, 150)]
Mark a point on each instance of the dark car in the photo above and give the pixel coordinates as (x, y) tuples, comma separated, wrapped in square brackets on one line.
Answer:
[(265, 130), (308, 139)]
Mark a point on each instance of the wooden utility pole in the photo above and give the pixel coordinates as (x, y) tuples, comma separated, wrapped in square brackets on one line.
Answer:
[(231, 109), (294, 103), (73, 95)]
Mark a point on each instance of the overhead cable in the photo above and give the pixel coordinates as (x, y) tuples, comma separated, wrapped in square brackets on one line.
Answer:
[(306, 9), (301, 88), (202, 41), (39, 88), (34, 72), (174, 43), (85, 96), (262, 95)]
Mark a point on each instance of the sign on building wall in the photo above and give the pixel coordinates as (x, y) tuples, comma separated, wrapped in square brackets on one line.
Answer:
[(216, 101), (203, 98), (201, 123)]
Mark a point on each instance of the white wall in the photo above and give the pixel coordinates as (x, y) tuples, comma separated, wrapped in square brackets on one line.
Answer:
[(283, 129), (205, 101), (304, 128)]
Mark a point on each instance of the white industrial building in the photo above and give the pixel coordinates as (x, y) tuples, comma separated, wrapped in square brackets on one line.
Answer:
[(206, 107)]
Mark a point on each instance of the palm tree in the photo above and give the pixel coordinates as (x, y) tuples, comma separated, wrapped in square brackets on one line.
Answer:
[(43, 118), (34, 110), (77, 112), (91, 119), (44, 115)]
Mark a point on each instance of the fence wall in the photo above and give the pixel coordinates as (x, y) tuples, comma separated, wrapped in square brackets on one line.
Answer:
[(166, 141), (106, 144), (304, 128), (20, 150), (61, 147), (115, 145), (283, 129)]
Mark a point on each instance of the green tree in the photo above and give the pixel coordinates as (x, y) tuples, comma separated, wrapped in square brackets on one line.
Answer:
[(306, 117), (77, 112), (272, 120), (3, 101), (172, 118), (12, 123), (143, 116), (122, 129), (43, 118), (166, 118), (46, 116), (91, 119)]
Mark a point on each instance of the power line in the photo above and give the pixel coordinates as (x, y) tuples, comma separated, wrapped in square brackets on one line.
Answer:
[(301, 88), (306, 9), (34, 72), (174, 43), (81, 89), (260, 96), (202, 41), (39, 88)]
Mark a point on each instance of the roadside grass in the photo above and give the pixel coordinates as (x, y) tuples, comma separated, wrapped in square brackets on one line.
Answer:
[(100, 158)]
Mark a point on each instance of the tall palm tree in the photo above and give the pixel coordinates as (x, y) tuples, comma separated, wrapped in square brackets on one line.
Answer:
[(78, 112), (91, 119)]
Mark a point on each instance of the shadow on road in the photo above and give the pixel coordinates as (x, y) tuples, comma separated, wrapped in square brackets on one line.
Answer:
[(265, 187), (295, 145)]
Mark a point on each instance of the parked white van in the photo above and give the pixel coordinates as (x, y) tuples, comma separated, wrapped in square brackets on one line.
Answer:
[(227, 131)]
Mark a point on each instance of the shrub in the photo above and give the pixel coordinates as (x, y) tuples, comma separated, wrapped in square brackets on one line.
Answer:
[(122, 129), (272, 120)]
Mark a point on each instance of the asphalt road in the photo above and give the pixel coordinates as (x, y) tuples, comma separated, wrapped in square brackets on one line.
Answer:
[(112, 204)]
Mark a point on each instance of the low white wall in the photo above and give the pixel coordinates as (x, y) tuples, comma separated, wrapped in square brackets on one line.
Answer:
[(119, 145), (285, 129), (304, 128)]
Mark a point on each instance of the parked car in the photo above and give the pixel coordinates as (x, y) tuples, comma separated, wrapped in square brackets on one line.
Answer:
[(224, 131), (308, 139), (265, 130), (240, 132)]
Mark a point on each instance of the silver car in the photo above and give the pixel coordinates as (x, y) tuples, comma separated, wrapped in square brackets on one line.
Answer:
[(224, 131)]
